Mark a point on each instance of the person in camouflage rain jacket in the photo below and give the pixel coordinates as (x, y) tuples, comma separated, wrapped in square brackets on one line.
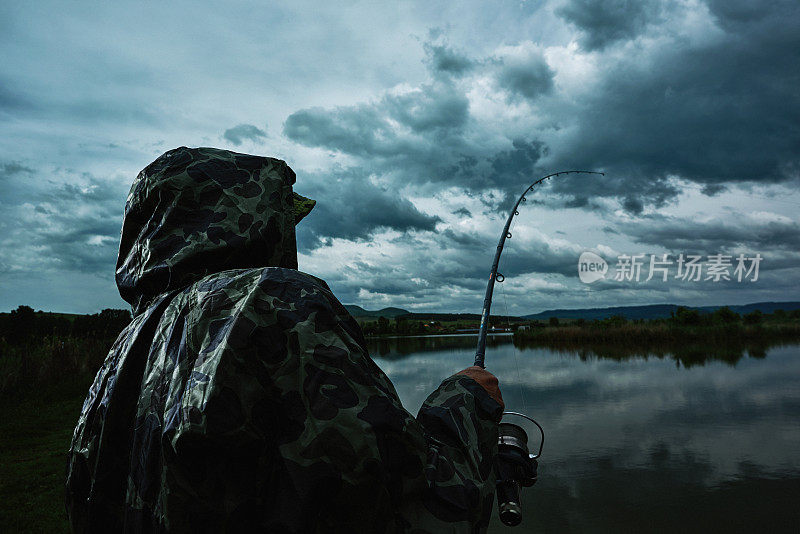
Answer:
[(242, 398)]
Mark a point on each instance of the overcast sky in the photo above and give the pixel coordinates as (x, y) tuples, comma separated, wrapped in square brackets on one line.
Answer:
[(414, 124)]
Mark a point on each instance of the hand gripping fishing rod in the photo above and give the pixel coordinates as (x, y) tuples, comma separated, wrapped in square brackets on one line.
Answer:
[(515, 467)]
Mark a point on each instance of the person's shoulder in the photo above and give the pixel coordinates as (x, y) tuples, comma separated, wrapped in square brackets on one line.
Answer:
[(270, 303), (279, 275), (264, 288), (235, 281), (263, 277), (290, 285)]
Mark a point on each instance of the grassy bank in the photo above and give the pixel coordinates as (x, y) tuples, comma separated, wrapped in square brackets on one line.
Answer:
[(35, 433), (43, 387), (43, 350), (47, 363)]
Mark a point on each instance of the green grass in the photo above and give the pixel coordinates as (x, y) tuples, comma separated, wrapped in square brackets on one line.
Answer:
[(46, 362), (35, 434), (43, 381)]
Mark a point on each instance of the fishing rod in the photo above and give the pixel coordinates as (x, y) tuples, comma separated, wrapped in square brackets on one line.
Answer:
[(480, 354), (515, 466)]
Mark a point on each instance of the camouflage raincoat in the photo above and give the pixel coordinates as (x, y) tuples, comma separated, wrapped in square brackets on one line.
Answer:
[(242, 398)]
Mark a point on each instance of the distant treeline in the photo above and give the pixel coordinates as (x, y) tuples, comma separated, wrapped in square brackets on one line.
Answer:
[(407, 325), (442, 317), (24, 325), (400, 326), (431, 323), (684, 325), (40, 348)]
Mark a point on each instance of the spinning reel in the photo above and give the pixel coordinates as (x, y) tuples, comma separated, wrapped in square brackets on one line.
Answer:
[(515, 468)]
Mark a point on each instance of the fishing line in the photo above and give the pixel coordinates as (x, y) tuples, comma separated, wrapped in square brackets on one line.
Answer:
[(516, 351)]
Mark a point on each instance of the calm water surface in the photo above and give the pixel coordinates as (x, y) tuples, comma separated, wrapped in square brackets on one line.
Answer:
[(647, 443)]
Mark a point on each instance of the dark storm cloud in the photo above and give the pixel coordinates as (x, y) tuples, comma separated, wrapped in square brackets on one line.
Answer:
[(354, 130), (350, 206), (518, 164), (446, 60), (534, 256), (11, 168), (734, 14), (587, 204), (711, 190), (72, 221), (462, 239), (603, 22), (528, 77), (541, 258), (433, 110), (69, 244), (242, 132), (398, 126), (683, 234), (717, 113), (387, 281), (699, 116)]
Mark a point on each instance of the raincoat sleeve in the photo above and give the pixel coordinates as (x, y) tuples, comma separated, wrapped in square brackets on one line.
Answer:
[(459, 424), (430, 473)]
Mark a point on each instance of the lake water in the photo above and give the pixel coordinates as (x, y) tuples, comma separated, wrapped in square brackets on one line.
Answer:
[(641, 444)]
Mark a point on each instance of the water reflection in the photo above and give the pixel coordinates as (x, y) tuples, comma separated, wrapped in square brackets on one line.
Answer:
[(655, 439), (687, 355)]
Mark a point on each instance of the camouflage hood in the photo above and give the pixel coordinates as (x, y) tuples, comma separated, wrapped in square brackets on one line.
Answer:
[(197, 211)]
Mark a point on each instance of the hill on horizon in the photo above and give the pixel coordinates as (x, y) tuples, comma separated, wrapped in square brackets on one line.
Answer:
[(648, 311), (389, 313)]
